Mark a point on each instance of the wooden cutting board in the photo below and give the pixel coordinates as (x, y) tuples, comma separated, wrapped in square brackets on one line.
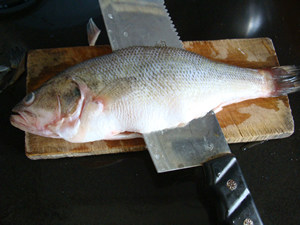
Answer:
[(251, 120)]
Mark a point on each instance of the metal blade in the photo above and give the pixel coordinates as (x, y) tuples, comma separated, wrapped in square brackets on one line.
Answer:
[(138, 23), (147, 23), (196, 143)]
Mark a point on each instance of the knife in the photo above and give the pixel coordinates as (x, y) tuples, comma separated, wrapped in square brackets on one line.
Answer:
[(201, 142)]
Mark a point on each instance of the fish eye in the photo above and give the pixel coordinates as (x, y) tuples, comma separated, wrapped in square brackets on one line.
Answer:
[(29, 98)]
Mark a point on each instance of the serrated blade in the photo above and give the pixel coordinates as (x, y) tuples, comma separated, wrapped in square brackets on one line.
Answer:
[(138, 23)]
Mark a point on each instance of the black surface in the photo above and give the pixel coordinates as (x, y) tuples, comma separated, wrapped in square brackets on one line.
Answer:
[(124, 188)]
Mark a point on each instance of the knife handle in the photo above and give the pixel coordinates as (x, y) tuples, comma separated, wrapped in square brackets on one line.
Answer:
[(237, 206)]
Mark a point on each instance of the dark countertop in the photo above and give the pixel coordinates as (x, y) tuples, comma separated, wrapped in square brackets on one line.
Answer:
[(124, 188)]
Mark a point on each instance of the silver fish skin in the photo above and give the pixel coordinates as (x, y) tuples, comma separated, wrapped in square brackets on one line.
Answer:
[(140, 90)]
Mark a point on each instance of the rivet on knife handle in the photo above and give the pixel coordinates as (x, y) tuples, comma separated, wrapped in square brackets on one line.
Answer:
[(236, 203)]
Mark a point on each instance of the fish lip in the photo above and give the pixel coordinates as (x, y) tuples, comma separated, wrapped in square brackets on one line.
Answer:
[(24, 114), (20, 120), (20, 111)]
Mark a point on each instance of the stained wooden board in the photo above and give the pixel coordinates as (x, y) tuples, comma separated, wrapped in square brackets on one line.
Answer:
[(251, 120)]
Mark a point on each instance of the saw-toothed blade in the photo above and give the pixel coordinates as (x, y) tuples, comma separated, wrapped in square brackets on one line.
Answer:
[(138, 23)]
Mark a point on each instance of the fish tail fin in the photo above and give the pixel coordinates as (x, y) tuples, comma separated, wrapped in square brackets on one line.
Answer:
[(286, 79)]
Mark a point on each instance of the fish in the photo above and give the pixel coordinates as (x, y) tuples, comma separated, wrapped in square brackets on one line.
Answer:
[(139, 90)]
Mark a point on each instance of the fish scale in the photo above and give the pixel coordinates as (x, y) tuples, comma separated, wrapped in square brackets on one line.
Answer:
[(156, 78), (154, 69)]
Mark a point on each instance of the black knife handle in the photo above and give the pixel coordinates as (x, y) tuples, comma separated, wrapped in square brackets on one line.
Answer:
[(236, 203)]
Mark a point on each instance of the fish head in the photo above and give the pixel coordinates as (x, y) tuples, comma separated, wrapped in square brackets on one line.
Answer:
[(53, 110)]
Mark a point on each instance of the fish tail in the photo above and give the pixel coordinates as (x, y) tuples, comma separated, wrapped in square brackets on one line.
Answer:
[(286, 79)]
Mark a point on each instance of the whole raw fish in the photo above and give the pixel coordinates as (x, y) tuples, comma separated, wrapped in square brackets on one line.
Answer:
[(141, 89)]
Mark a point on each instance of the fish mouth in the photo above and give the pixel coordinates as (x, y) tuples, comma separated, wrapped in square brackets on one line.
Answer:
[(26, 121), (20, 119)]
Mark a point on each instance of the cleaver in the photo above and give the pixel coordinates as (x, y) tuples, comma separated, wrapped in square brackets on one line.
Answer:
[(199, 143)]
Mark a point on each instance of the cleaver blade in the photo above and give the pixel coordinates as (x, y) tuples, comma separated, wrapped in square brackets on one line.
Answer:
[(199, 141)]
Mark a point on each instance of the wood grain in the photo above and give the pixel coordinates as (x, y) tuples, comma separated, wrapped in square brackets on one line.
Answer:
[(251, 120)]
